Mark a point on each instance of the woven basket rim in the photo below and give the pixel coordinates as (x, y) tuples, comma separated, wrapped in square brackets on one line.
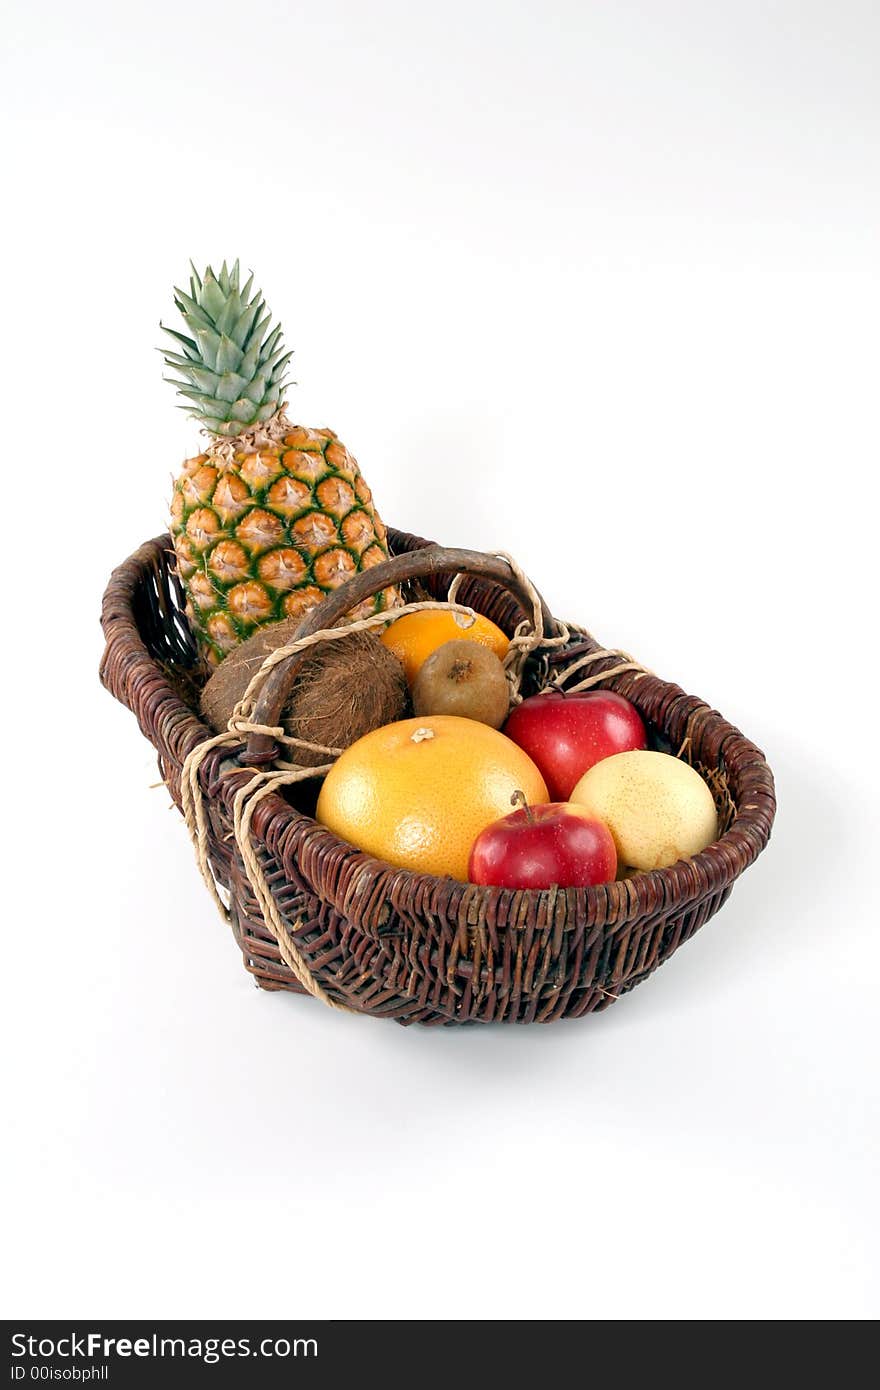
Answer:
[(623, 901), (285, 832)]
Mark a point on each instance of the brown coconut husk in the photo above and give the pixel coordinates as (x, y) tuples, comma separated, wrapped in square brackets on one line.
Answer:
[(343, 689)]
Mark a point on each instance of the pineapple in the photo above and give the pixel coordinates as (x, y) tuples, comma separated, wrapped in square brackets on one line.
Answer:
[(272, 516)]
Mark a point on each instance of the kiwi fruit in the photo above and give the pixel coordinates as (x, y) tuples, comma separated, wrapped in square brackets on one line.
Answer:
[(463, 678), (344, 688)]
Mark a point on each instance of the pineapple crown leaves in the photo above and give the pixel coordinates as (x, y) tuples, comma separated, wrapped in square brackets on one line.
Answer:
[(230, 366)]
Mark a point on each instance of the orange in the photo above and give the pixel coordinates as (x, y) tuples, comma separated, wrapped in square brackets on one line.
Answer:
[(418, 793), (415, 637)]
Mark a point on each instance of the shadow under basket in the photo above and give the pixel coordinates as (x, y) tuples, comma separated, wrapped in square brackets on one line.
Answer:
[(411, 947)]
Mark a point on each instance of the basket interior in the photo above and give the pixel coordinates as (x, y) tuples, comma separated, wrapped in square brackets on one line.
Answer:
[(159, 610)]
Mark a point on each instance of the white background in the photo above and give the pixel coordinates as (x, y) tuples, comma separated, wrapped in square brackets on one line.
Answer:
[(594, 283)]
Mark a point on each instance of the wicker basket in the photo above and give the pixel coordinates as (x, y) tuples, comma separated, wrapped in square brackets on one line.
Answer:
[(407, 946)]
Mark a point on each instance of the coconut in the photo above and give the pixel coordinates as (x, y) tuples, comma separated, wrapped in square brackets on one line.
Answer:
[(343, 689)]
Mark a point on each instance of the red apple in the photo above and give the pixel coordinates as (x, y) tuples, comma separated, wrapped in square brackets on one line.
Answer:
[(566, 734), (537, 846)]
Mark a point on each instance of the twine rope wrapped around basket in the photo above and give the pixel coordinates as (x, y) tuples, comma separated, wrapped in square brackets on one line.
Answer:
[(407, 946), (530, 637)]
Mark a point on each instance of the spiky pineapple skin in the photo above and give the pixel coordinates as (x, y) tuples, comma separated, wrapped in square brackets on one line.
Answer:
[(264, 533)]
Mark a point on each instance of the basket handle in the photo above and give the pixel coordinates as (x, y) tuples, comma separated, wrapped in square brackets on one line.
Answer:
[(417, 564)]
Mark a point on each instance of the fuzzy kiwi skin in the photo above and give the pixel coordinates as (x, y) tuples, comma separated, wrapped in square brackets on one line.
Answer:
[(344, 688), (463, 678)]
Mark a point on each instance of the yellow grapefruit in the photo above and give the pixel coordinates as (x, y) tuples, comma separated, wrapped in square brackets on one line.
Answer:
[(415, 637), (417, 793)]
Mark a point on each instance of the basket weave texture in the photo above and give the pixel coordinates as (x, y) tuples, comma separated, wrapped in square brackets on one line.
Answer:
[(411, 947)]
